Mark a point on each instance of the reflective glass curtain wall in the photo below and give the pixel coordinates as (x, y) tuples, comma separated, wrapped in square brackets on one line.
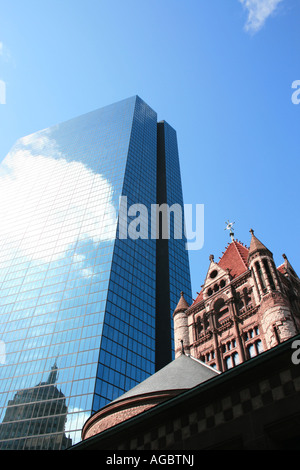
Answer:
[(178, 261), (78, 323)]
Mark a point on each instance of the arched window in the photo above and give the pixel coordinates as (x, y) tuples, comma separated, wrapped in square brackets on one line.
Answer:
[(260, 277), (221, 310), (251, 350), (235, 359), (255, 281), (205, 322), (199, 327), (231, 361), (228, 362), (274, 270), (270, 278), (239, 302), (247, 299), (259, 346)]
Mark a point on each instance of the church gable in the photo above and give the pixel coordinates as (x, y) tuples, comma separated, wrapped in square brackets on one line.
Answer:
[(232, 264), (235, 259), (216, 279)]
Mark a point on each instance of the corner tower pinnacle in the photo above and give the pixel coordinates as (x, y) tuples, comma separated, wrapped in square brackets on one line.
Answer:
[(181, 329)]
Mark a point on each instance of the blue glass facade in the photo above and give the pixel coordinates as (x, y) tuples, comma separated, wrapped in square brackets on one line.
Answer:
[(178, 260), (78, 304)]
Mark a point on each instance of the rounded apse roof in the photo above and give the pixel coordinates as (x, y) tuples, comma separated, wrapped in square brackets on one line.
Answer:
[(184, 373)]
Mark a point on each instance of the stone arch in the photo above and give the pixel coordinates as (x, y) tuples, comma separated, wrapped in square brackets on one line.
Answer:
[(221, 309)]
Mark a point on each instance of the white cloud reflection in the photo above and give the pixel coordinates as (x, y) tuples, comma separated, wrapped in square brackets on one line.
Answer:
[(44, 200)]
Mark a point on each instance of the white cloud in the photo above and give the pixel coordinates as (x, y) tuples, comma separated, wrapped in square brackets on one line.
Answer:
[(6, 56), (37, 189), (2, 353), (2, 92), (258, 12), (4, 52), (76, 419)]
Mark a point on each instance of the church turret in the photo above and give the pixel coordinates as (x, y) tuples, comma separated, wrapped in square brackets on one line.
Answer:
[(181, 329), (261, 263), (276, 318)]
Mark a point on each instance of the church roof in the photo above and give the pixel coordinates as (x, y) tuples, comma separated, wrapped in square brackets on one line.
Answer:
[(256, 244), (181, 374), (182, 304), (199, 297), (235, 259)]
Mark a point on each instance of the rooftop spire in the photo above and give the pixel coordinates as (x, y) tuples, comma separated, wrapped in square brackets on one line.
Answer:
[(182, 304), (229, 226), (256, 244), (53, 374)]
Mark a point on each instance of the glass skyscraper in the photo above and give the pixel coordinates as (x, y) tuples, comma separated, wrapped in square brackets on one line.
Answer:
[(85, 314)]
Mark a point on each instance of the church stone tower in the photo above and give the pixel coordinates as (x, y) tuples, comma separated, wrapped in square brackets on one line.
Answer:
[(246, 306), (181, 329), (275, 310)]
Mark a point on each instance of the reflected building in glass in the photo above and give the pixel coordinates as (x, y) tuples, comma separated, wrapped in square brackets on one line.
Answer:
[(85, 314), (36, 411)]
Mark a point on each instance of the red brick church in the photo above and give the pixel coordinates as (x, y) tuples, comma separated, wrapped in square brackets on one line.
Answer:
[(246, 305), (247, 315)]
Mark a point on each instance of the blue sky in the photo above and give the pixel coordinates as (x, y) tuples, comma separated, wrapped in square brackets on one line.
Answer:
[(219, 71)]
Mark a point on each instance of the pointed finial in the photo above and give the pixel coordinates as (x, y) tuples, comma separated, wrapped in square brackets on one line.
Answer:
[(211, 257), (229, 226), (251, 231), (182, 304)]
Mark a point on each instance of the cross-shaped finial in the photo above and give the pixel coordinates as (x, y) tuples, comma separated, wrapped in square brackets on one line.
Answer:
[(229, 226)]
